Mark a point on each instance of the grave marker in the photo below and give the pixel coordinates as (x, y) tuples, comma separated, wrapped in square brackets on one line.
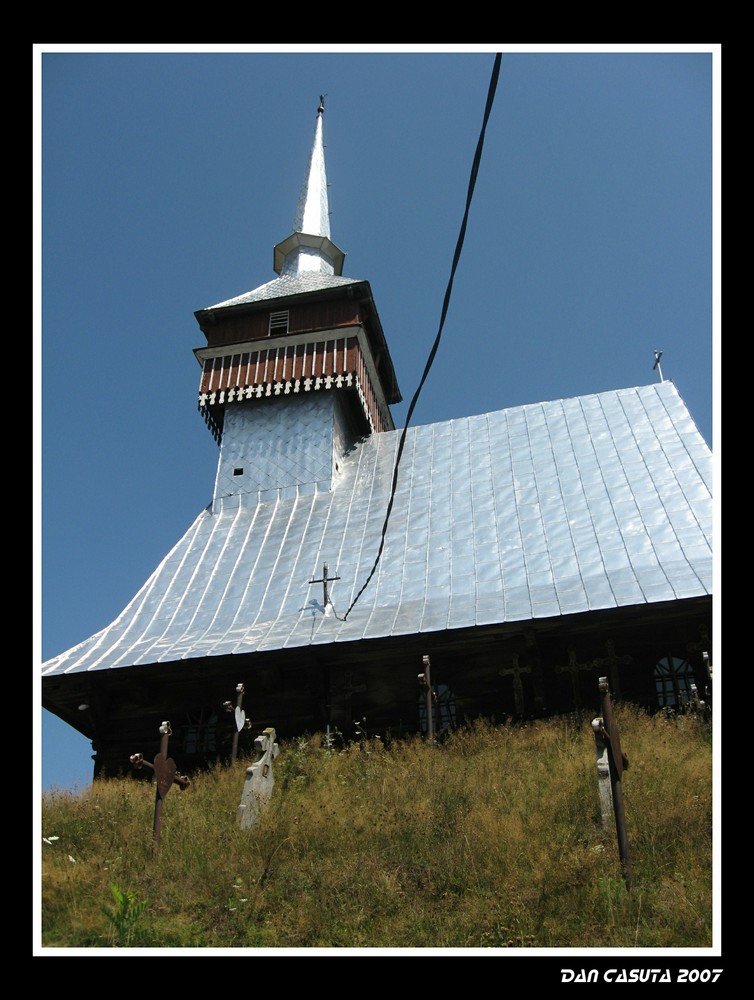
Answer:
[(240, 719), (425, 685), (618, 763), (259, 781), (166, 775)]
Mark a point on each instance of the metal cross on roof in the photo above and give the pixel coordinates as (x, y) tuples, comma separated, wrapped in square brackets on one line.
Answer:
[(324, 580)]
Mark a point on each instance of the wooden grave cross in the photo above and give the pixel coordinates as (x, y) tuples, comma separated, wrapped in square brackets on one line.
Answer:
[(573, 668), (518, 687), (612, 661), (536, 670)]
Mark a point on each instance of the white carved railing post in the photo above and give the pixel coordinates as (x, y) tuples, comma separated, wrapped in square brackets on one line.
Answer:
[(259, 781)]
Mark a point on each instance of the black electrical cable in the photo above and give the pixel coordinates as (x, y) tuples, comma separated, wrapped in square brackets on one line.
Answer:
[(446, 303)]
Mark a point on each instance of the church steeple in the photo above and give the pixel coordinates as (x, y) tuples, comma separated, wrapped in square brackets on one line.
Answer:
[(296, 370), (309, 247)]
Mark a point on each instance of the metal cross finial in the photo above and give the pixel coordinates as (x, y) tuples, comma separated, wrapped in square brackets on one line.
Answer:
[(658, 355), (324, 580)]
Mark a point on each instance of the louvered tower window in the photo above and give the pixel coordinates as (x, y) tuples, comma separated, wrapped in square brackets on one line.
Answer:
[(278, 322)]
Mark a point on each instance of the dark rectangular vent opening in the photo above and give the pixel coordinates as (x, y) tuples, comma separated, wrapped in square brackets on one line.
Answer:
[(279, 322), (238, 472)]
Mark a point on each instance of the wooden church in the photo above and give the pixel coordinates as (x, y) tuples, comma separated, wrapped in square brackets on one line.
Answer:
[(529, 551)]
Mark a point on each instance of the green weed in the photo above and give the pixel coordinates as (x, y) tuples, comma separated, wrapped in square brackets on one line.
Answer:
[(125, 916)]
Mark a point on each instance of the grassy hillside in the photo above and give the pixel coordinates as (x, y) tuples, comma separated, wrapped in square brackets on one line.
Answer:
[(493, 839)]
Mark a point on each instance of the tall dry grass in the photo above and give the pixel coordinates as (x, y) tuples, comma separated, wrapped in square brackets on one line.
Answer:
[(492, 839)]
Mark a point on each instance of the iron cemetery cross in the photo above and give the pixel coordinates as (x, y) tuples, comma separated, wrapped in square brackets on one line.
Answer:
[(518, 688), (165, 774), (573, 667), (240, 719), (612, 661), (618, 764), (425, 685)]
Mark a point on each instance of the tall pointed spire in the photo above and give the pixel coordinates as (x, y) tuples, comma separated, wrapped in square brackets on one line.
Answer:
[(312, 214), (309, 247)]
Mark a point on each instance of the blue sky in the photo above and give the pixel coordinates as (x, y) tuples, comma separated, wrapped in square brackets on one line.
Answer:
[(166, 178)]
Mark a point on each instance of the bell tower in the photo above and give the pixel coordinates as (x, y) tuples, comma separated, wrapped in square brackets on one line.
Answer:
[(295, 371)]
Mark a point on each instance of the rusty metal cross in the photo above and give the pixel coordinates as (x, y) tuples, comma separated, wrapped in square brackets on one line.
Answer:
[(618, 764), (425, 685), (166, 775)]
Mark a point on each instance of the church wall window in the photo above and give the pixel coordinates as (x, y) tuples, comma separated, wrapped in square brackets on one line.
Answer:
[(673, 676)]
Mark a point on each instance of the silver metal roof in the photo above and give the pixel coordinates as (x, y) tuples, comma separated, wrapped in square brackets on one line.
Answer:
[(550, 509), (289, 284)]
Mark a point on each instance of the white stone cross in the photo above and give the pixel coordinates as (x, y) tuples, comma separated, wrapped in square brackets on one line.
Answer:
[(259, 781)]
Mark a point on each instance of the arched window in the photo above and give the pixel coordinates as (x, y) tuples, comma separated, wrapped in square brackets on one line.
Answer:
[(673, 679)]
